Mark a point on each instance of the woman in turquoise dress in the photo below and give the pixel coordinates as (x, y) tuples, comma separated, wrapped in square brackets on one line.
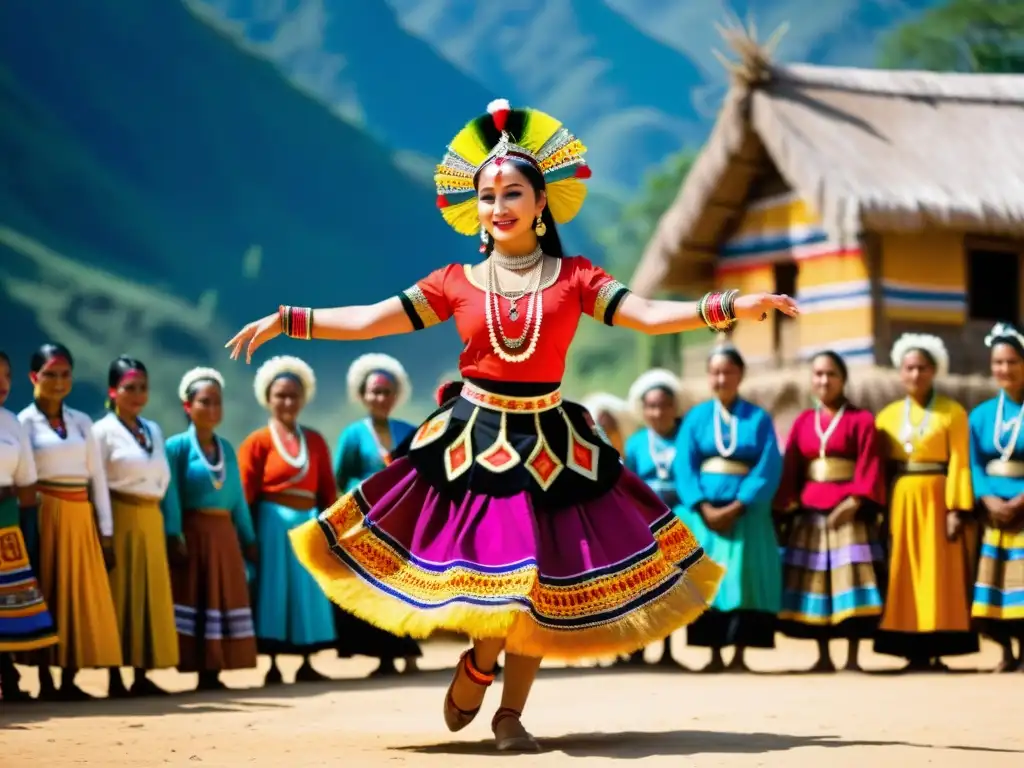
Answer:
[(997, 474), (650, 452), (728, 467), (379, 384)]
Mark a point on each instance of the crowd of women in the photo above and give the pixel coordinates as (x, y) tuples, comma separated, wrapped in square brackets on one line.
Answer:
[(119, 548)]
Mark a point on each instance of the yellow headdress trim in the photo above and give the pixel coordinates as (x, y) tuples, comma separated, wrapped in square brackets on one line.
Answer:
[(539, 138)]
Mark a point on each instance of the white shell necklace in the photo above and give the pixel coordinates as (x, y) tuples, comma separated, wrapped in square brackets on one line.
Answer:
[(722, 414), (536, 302), (217, 472), (295, 462), (385, 454), (1013, 426), (823, 436), (662, 459), (908, 433)]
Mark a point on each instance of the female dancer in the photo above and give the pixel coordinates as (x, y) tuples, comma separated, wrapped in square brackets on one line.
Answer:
[(727, 471), (206, 502), (651, 452), (25, 622), (612, 415), (138, 476), (997, 471), (469, 530), (925, 436), (833, 492), (379, 384), (286, 474), (76, 527)]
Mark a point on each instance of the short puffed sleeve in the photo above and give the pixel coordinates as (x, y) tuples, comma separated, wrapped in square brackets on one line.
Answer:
[(600, 293), (427, 303)]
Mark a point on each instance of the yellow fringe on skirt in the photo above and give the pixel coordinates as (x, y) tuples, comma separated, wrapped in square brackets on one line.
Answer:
[(680, 605)]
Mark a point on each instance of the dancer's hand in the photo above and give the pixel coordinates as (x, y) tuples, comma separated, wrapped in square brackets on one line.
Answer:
[(954, 525), (254, 335), (757, 306), (844, 512)]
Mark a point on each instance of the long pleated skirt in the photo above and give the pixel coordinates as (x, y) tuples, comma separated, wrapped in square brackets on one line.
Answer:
[(292, 613), (927, 607), (833, 580), (74, 581), (211, 597), (141, 584), (998, 608), (509, 517), (25, 622)]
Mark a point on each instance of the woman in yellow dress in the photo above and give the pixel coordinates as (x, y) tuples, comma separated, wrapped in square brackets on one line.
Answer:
[(926, 439)]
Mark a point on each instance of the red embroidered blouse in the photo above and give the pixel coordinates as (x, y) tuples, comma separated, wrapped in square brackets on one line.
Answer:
[(265, 471), (577, 288)]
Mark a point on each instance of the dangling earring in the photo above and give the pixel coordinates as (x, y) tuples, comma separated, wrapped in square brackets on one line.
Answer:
[(540, 227), (484, 237)]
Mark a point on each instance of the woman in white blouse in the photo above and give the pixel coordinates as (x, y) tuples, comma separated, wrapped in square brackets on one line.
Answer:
[(76, 529), (138, 476), (25, 623)]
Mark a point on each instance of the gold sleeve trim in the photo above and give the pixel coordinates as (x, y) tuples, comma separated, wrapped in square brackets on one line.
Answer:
[(608, 298), (421, 306)]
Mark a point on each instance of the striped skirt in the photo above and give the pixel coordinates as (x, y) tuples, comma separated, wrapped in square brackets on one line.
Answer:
[(998, 607), (211, 597), (832, 579), (25, 623)]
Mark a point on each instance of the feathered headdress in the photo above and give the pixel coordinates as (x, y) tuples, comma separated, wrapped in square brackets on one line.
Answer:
[(656, 378), (373, 362), (283, 365), (1004, 332), (931, 345), (198, 374), (528, 134)]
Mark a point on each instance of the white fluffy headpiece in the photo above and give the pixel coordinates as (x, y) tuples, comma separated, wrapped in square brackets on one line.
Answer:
[(363, 366), (656, 378), (1005, 332), (279, 366), (616, 407), (933, 345), (198, 374)]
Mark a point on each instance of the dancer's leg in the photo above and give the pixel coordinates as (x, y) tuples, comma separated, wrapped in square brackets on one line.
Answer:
[(511, 736)]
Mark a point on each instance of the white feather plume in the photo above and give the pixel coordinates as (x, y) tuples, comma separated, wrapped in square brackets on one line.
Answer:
[(375, 361), (653, 379), (198, 374), (498, 105), (926, 342), (282, 364), (1003, 331)]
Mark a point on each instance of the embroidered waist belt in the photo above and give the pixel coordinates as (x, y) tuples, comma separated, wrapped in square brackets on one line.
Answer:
[(831, 470), (299, 499), (922, 468), (133, 498), (510, 403), (717, 465), (1000, 468), (64, 491)]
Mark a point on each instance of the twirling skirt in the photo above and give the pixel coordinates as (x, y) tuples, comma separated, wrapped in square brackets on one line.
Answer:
[(506, 516), (25, 623)]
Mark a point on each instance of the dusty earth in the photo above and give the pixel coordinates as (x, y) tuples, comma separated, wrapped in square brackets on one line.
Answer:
[(590, 716)]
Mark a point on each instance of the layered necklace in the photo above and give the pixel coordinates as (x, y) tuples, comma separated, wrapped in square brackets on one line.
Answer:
[(141, 434), (218, 474), (663, 458), (909, 434), (824, 435), (722, 414), (295, 462), (534, 308), (1012, 426)]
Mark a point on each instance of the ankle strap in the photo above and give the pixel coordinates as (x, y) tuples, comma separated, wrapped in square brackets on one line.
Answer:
[(503, 714), (473, 672)]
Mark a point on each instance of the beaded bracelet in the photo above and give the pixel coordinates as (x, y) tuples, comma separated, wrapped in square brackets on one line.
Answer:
[(718, 309), (296, 322)]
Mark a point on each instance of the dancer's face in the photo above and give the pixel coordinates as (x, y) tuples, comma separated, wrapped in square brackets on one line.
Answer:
[(132, 394), (379, 395), (724, 377), (207, 406), (509, 206), (659, 406), (826, 380), (54, 381), (917, 373), (286, 399), (1007, 367)]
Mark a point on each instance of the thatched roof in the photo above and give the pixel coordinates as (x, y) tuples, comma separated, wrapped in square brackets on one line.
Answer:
[(867, 149)]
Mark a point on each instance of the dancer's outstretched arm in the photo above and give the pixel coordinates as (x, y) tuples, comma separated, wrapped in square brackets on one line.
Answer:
[(385, 318), (654, 317)]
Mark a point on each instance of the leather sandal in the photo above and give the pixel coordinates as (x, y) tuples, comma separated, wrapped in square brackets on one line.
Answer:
[(456, 719), (518, 739)]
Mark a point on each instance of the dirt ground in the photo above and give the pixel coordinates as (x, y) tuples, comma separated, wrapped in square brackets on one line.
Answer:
[(588, 715)]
